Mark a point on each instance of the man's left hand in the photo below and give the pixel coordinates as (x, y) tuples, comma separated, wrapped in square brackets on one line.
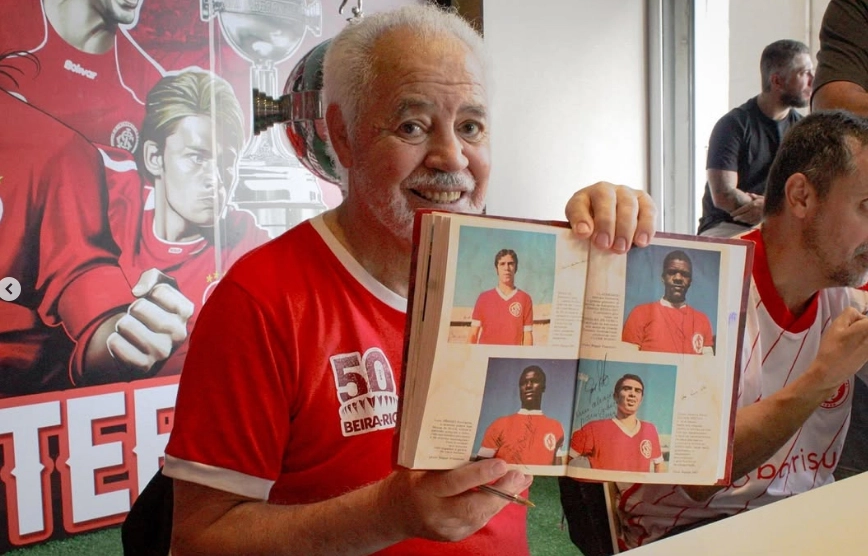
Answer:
[(750, 212), (614, 217)]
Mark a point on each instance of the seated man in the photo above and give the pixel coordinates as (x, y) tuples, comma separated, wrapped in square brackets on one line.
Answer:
[(303, 337), (806, 335), (745, 140)]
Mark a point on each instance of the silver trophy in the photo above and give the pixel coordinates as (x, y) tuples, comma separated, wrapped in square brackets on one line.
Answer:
[(271, 182)]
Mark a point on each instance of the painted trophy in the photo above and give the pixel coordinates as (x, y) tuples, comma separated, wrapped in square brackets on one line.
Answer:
[(272, 183)]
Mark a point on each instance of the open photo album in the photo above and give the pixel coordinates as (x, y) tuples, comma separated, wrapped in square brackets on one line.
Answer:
[(528, 344)]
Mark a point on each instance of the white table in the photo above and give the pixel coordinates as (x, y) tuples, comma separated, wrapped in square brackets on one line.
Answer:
[(826, 521)]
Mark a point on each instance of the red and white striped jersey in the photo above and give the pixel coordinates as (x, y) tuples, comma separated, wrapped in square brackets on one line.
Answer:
[(777, 349)]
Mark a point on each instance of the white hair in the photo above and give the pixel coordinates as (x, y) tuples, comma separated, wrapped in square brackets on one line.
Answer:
[(348, 68)]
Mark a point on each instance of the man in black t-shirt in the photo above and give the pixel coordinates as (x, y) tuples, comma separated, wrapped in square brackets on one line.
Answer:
[(745, 140)]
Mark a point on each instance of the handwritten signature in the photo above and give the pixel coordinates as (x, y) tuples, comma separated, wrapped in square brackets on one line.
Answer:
[(694, 392)]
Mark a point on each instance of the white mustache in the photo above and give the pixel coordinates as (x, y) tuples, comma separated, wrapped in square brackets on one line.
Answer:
[(456, 180)]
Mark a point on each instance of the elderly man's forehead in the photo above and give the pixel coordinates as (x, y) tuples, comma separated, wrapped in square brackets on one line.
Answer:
[(402, 45)]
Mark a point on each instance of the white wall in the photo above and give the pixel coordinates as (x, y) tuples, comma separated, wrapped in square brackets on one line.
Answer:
[(727, 76), (756, 23), (570, 100)]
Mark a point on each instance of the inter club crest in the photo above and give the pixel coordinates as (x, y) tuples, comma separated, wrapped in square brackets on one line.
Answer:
[(645, 448), (515, 309), (550, 441), (697, 342), (839, 397), (125, 136)]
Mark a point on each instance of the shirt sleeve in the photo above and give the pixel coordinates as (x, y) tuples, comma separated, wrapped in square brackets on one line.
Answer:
[(78, 273), (493, 437), (707, 331), (632, 332), (843, 54), (528, 317), (656, 450), (217, 440), (582, 443), (476, 316), (725, 144)]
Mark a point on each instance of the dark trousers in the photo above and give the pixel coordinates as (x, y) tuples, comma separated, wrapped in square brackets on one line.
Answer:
[(585, 510)]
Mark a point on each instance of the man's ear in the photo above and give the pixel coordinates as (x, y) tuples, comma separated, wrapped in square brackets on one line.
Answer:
[(800, 195), (152, 158), (777, 81), (339, 135)]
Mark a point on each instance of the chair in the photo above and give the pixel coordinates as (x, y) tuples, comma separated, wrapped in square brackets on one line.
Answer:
[(147, 530)]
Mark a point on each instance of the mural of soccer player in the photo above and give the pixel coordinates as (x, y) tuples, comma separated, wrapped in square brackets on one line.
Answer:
[(168, 209), (503, 315), (528, 437), (91, 75), (670, 324), (622, 443), (75, 321)]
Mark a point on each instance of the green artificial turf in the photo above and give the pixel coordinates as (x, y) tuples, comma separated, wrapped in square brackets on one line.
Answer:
[(106, 542), (544, 531), (543, 528)]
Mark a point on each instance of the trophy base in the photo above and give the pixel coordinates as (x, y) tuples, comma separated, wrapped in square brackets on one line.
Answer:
[(280, 197)]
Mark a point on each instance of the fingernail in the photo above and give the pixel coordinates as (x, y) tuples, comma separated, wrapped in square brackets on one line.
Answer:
[(620, 245), (499, 468), (582, 228), (642, 240), (602, 241)]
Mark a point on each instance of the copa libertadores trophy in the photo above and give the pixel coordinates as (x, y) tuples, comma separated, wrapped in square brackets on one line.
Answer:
[(271, 182)]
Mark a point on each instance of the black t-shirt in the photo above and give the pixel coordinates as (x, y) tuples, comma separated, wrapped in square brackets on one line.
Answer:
[(744, 141), (843, 54)]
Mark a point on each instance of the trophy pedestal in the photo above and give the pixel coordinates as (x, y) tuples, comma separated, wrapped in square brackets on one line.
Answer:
[(280, 196)]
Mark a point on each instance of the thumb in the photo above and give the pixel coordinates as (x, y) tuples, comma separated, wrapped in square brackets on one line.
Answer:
[(149, 280), (471, 476)]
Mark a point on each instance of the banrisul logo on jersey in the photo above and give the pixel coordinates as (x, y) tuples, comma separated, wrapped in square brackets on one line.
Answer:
[(366, 391)]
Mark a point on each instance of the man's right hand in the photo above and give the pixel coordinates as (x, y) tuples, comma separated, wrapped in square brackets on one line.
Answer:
[(154, 325), (843, 350), (443, 505)]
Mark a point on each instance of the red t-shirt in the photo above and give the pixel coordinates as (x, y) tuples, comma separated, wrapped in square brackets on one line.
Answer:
[(290, 389), (661, 327), (57, 244), (527, 438), (504, 319), (608, 446), (102, 96)]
